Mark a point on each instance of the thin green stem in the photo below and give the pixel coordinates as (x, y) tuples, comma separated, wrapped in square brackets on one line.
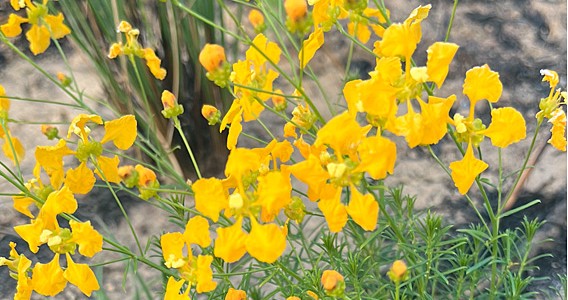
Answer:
[(120, 206), (451, 23), (177, 126)]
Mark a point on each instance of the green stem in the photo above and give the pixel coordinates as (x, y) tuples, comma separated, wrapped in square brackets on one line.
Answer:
[(451, 23), (177, 126), (115, 196)]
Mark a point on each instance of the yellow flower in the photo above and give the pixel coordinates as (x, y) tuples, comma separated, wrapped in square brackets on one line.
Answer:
[(548, 75), (482, 83), (80, 180), (133, 48), (90, 242), (265, 242), (56, 27), (51, 160), (274, 193), (401, 39), (363, 209), (410, 126), (81, 276), (172, 244), (558, 130), (108, 168), (398, 271), (197, 232), (507, 127), (435, 115), (311, 173), (342, 133), (230, 242), (153, 63), (212, 56), (466, 170), (61, 201), (19, 265), (290, 130), (79, 125), (43, 26), (31, 233), (13, 27), (48, 279), (263, 51), (310, 46), (334, 211), (378, 156), (242, 162), (210, 197), (440, 56), (22, 204), (204, 278), (122, 132), (115, 50), (173, 288)]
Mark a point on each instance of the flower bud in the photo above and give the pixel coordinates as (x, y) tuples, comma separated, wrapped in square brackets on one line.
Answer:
[(279, 102), (333, 283), (296, 9), (211, 114), (398, 271), (171, 107), (49, 131), (233, 294), (212, 56), (128, 175), (256, 19), (115, 50), (64, 79), (124, 27), (295, 210)]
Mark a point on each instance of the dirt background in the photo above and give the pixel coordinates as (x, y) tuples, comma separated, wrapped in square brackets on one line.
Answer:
[(516, 38)]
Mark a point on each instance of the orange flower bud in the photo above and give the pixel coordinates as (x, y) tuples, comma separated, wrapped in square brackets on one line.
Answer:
[(211, 57), (168, 99), (256, 18), (211, 114), (296, 9), (233, 294), (398, 271), (332, 281)]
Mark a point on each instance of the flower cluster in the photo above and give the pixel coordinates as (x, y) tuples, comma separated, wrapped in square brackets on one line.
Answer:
[(44, 26), (57, 198), (133, 48)]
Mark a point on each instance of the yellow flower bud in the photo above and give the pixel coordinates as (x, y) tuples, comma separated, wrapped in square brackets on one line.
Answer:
[(256, 19), (211, 57), (233, 294), (115, 50), (398, 271), (211, 114), (296, 9), (333, 283), (124, 27)]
